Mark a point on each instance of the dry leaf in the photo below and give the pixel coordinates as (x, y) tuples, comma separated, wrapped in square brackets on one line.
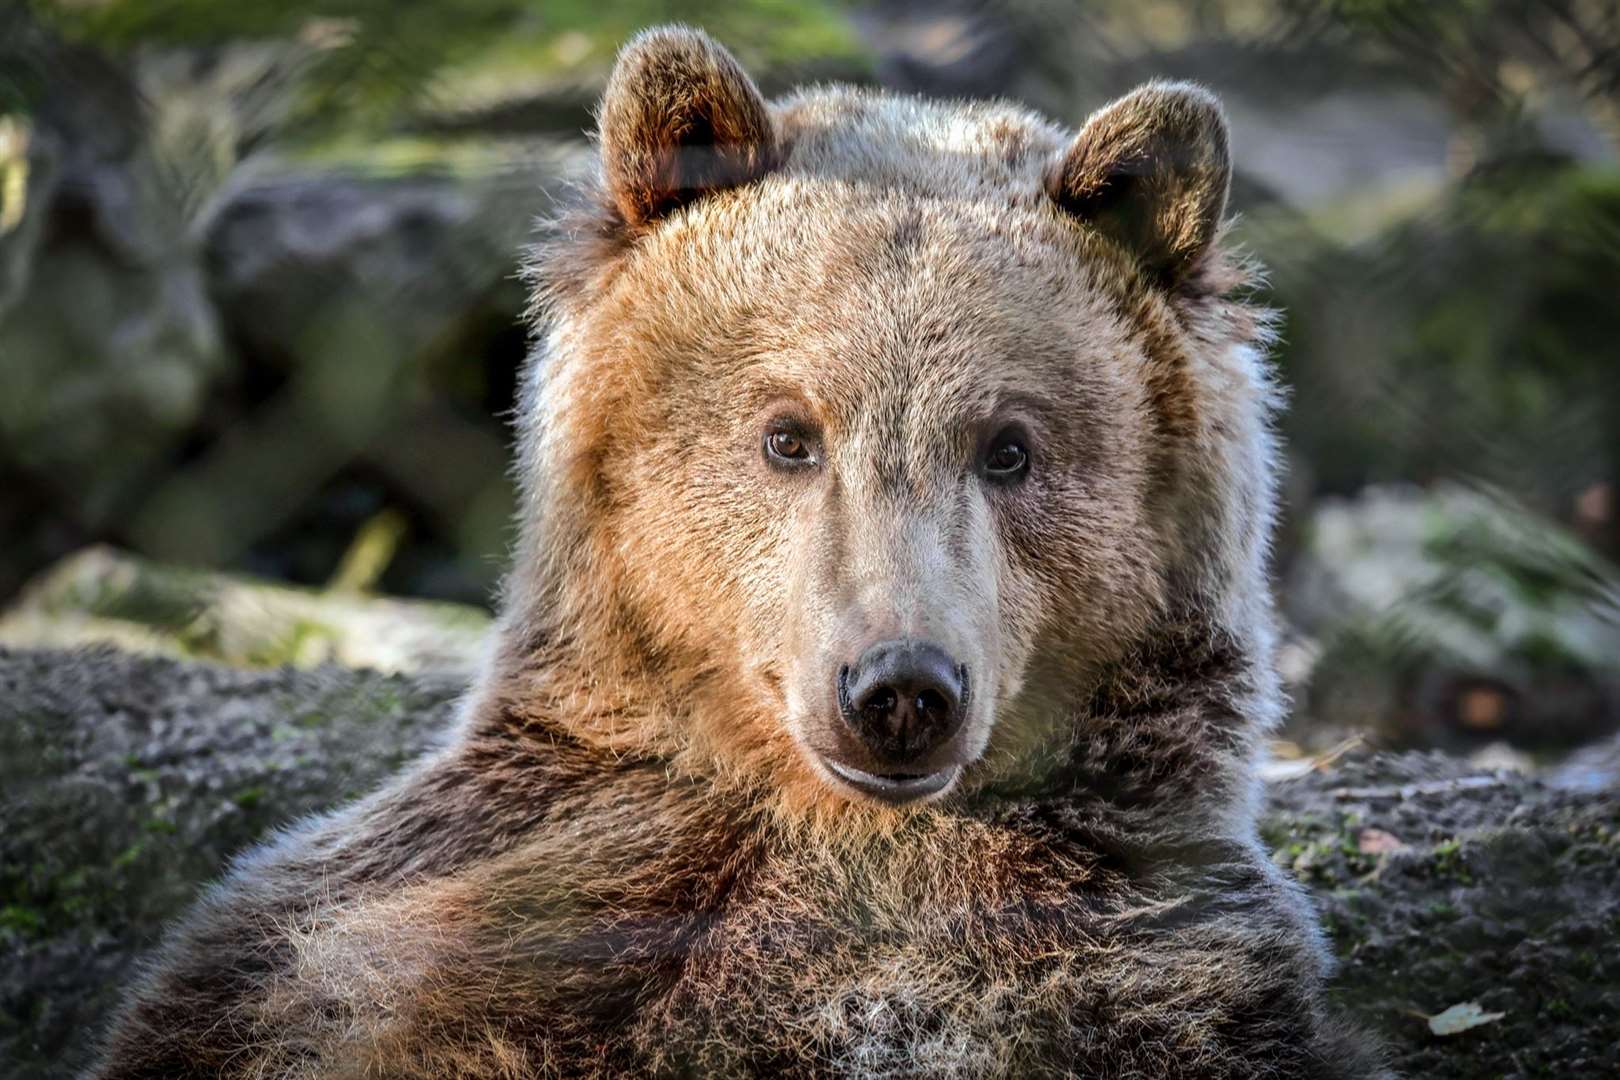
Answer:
[(1460, 1018), (1377, 842)]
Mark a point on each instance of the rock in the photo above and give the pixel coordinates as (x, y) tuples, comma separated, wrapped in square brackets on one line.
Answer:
[(364, 301), (107, 597), (416, 249), (1592, 768), (941, 49), (1503, 892), (128, 781)]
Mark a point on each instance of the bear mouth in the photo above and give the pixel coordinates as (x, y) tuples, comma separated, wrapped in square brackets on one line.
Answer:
[(895, 788)]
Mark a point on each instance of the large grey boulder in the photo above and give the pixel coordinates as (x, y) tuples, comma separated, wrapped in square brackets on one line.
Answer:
[(127, 782)]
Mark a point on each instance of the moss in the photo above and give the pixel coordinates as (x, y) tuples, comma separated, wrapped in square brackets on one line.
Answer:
[(21, 920), (1440, 910), (1558, 1009), (45, 901), (1449, 861), (386, 701), (303, 643), (1323, 851)]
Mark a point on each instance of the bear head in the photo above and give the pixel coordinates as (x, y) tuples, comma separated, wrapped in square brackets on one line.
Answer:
[(863, 432)]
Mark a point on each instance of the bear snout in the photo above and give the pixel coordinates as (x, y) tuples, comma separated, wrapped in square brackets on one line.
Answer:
[(903, 699), (900, 707)]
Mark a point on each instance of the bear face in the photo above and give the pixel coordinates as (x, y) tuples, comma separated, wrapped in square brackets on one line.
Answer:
[(880, 426)]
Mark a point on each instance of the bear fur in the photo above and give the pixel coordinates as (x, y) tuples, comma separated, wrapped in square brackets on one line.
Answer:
[(631, 857)]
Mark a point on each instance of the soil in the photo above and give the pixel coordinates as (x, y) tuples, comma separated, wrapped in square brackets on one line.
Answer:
[(1442, 884)]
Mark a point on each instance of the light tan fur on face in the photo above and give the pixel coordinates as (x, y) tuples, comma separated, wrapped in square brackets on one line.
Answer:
[(895, 280), (629, 861)]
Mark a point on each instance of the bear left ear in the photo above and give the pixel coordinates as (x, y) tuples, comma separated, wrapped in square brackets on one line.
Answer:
[(680, 118), (1152, 171)]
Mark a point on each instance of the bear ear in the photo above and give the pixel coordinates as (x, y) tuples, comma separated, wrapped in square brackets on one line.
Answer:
[(1152, 171), (680, 118)]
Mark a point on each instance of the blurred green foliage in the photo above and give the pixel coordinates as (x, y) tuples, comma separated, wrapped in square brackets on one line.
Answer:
[(1476, 337), (368, 64)]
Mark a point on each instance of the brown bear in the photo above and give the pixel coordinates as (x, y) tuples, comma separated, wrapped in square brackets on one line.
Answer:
[(886, 652)]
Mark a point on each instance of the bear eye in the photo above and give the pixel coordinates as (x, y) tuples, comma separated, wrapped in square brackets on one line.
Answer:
[(786, 448), (1007, 460)]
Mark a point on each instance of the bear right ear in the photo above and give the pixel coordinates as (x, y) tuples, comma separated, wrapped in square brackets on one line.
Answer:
[(680, 118), (1152, 171)]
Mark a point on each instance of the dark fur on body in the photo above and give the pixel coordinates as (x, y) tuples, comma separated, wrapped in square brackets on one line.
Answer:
[(624, 863), (495, 916)]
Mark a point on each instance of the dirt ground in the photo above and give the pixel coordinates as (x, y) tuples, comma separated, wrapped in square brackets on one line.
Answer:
[(1442, 884), (126, 782)]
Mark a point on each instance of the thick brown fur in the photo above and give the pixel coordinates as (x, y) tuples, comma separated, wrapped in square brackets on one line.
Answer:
[(631, 858)]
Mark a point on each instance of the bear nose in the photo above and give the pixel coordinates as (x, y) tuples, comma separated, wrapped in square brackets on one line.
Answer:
[(903, 698)]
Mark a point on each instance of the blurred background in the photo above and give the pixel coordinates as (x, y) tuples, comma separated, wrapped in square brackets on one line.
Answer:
[(259, 324)]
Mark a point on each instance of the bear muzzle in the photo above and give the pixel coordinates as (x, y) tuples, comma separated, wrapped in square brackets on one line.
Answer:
[(903, 700)]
